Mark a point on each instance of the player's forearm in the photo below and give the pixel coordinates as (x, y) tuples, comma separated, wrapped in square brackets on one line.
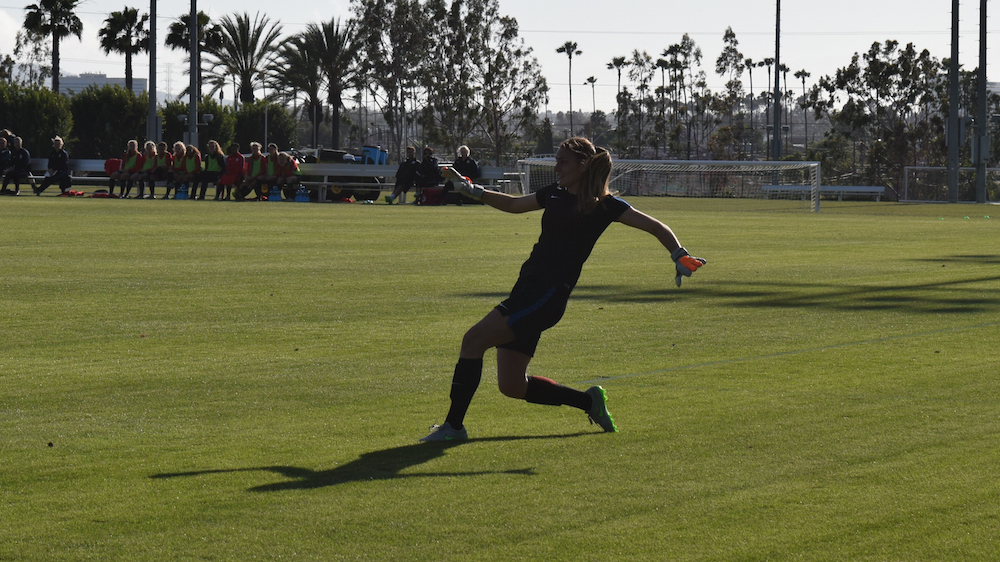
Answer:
[(644, 222), (498, 200)]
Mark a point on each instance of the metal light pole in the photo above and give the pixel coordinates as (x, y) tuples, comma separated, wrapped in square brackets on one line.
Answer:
[(195, 64), (776, 141), (982, 152), (152, 121), (953, 100)]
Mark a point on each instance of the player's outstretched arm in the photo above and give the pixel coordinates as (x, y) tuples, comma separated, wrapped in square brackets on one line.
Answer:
[(684, 263), (502, 201), (511, 203), (642, 221)]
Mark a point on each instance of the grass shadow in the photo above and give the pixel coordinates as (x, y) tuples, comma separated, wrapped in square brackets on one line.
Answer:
[(954, 296), (385, 464)]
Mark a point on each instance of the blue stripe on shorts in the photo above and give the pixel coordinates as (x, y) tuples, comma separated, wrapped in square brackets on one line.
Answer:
[(539, 304)]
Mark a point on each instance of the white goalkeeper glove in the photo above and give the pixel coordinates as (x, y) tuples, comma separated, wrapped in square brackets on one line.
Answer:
[(685, 264), (465, 185)]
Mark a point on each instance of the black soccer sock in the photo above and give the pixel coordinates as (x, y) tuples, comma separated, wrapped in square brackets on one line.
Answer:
[(465, 381), (547, 391)]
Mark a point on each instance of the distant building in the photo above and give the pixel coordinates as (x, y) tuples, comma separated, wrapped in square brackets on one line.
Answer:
[(69, 85)]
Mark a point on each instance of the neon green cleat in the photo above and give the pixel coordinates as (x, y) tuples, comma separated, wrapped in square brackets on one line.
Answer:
[(599, 413)]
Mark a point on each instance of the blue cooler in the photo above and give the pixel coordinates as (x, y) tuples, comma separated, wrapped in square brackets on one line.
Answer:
[(302, 195), (182, 192), (275, 194), (374, 155)]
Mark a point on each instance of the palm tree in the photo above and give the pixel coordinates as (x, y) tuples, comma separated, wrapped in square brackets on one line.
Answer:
[(335, 47), (298, 72), (802, 75), (617, 63), (593, 96), (209, 41), (570, 49), (125, 33), (55, 18), (246, 52)]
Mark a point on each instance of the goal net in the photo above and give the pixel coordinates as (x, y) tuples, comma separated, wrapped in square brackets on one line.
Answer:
[(785, 184)]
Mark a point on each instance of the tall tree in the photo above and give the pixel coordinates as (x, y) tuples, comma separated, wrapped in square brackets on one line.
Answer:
[(802, 75), (509, 80), (336, 48), (452, 108), (750, 64), (125, 33), (569, 48), (301, 74), (209, 41), (731, 63), (34, 59), (394, 36), (880, 103), (58, 19), (246, 53), (617, 64), (593, 93), (641, 71)]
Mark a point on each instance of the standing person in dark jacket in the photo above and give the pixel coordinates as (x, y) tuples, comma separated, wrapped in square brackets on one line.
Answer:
[(466, 166), (20, 168), (406, 175), (58, 168)]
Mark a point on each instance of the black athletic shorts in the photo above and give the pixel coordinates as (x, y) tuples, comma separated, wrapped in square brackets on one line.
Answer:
[(533, 306)]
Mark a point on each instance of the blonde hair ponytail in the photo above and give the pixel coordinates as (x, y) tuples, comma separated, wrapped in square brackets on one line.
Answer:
[(594, 183)]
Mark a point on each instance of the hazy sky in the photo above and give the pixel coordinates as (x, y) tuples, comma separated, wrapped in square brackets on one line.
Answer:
[(817, 37)]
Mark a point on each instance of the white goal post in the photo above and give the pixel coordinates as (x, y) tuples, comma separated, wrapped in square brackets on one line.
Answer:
[(780, 180)]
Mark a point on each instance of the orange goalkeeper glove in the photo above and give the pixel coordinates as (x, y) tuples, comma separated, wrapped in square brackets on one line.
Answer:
[(685, 264)]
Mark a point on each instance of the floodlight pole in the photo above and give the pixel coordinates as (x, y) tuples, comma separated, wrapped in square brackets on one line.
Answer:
[(776, 140), (195, 64), (953, 109), (982, 152), (152, 125)]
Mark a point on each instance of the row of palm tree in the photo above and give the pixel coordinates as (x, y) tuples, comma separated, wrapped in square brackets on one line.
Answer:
[(317, 64)]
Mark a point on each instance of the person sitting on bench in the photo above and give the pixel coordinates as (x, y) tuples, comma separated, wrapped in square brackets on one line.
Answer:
[(58, 168)]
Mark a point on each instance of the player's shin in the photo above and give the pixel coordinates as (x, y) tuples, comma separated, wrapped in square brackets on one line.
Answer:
[(465, 381)]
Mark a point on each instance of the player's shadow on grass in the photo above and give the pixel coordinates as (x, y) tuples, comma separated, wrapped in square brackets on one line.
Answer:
[(954, 296), (387, 464)]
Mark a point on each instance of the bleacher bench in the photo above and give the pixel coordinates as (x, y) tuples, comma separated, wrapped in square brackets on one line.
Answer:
[(838, 190), (375, 176)]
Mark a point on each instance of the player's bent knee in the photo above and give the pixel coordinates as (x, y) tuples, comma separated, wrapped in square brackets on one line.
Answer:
[(513, 388)]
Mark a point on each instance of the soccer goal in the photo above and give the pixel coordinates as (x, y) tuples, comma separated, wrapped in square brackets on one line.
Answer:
[(773, 181)]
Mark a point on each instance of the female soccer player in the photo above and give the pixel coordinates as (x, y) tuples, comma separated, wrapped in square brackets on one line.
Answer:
[(215, 164), (178, 169), (578, 208), (132, 162), (233, 177), (192, 169), (289, 175), (148, 166)]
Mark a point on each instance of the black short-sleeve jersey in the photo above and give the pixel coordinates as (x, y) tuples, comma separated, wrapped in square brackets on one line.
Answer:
[(568, 237)]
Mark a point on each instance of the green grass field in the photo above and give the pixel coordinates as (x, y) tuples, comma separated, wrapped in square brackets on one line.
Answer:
[(222, 381)]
